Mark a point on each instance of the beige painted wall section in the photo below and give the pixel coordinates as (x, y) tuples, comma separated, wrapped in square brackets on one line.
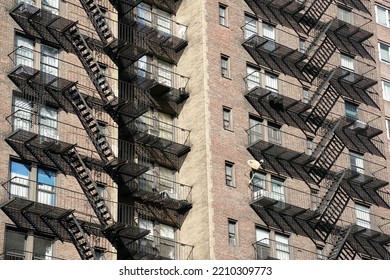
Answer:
[(196, 170)]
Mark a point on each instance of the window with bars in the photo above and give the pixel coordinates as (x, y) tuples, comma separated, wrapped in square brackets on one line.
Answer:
[(250, 27), (229, 173)]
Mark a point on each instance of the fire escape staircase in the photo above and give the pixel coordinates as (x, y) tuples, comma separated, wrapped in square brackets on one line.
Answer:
[(326, 152), (341, 249), (313, 14), (79, 239), (331, 207)]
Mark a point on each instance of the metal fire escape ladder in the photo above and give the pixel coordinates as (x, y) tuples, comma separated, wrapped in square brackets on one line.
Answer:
[(91, 66), (326, 153), (341, 249), (322, 108), (88, 185), (79, 238), (313, 14), (90, 124), (98, 20), (319, 59), (331, 207)]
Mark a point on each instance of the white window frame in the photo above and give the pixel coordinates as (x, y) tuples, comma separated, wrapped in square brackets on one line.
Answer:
[(388, 127), (386, 90), (387, 15), (227, 118), (223, 14), (362, 215), (357, 162), (252, 78), (387, 59), (225, 66), (229, 174), (233, 232), (269, 31), (347, 62), (250, 27)]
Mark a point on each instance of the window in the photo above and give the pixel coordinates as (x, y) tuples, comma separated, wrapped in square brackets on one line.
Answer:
[(49, 60), (22, 114), (165, 73), (229, 173), (250, 27), (51, 6), (384, 54), (225, 61), (48, 125), (263, 248), (232, 228), (388, 128), (305, 95), (282, 248), (163, 20), (351, 111), (227, 118), (167, 245), (357, 163), (274, 133), (386, 90), (258, 184), (382, 16), (46, 186), (25, 51), (144, 67), (31, 2), (14, 245), (43, 249), (362, 215), (345, 15), (314, 199), (347, 62), (255, 129), (166, 126), (252, 78), (309, 146), (271, 82), (20, 173), (277, 188), (303, 44), (167, 181), (223, 20), (144, 14), (320, 255), (269, 31)]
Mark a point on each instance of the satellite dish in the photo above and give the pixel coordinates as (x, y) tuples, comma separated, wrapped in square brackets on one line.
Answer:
[(254, 164)]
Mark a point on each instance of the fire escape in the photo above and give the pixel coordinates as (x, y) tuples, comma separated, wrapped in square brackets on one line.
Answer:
[(124, 108), (310, 68)]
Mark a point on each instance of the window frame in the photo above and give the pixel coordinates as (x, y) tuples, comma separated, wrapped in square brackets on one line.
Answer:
[(229, 174), (223, 14), (254, 30), (387, 120), (387, 15), (225, 69), (227, 118), (380, 52), (233, 235), (385, 95)]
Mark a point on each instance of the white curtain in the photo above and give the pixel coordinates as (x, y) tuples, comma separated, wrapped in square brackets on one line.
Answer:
[(25, 51), (49, 60), (166, 126), (48, 122), (269, 31), (167, 247), (164, 22), (362, 215), (144, 14), (250, 27), (271, 82), (51, 6), (281, 246), (19, 186), (277, 189), (253, 77), (165, 73), (23, 114), (347, 63)]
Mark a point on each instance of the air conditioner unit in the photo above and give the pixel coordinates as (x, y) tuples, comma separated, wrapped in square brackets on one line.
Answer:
[(153, 131)]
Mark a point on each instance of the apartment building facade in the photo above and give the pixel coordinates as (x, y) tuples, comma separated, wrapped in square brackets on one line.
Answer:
[(165, 129)]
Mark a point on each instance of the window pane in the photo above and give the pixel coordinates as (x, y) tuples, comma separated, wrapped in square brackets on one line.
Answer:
[(222, 15), (144, 14), (384, 52), (250, 27), (282, 248), (362, 215), (253, 77), (347, 63), (43, 249), (165, 73), (381, 15), (14, 245), (277, 187), (25, 51), (51, 5), (351, 111), (46, 184), (163, 21), (271, 82), (20, 185), (48, 122), (49, 60), (255, 130), (386, 90), (226, 118), (269, 31), (23, 115)]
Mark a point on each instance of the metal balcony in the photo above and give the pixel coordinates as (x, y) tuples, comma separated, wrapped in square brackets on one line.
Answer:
[(124, 7), (269, 249), (158, 248)]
